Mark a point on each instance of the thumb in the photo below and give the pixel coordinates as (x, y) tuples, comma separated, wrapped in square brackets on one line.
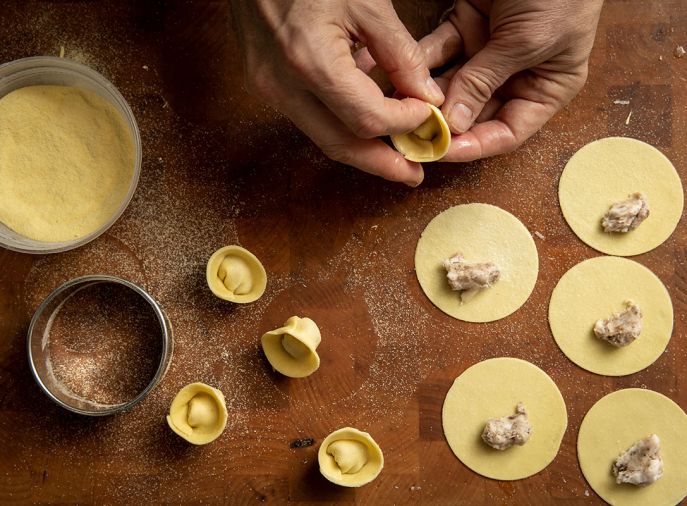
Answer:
[(397, 53), (474, 84)]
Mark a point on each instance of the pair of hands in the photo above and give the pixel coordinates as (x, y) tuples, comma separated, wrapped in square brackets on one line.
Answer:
[(512, 64)]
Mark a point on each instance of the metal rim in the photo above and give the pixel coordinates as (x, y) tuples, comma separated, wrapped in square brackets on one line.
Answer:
[(165, 353)]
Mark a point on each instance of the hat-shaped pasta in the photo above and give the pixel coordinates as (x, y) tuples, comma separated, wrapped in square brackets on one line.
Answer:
[(235, 274), (350, 458), (198, 413), (428, 142), (291, 348)]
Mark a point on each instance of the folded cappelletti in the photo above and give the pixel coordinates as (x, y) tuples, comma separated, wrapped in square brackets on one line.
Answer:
[(235, 274), (291, 349), (198, 413), (350, 458), (428, 142)]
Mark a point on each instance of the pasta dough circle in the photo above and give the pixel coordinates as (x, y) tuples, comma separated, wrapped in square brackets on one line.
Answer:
[(596, 288), (608, 170), (428, 142), (616, 422), (350, 457), (491, 389), (291, 349), (198, 413), (233, 273), (481, 232)]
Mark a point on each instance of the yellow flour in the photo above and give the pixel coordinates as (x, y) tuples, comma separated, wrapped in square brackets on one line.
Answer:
[(66, 162)]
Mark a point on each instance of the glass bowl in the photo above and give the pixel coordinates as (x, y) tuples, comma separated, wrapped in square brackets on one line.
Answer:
[(49, 70)]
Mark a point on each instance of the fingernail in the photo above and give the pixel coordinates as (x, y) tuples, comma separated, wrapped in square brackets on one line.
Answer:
[(460, 118), (418, 180), (433, 90)]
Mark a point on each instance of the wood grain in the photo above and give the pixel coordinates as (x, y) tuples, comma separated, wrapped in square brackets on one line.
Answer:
[(220, 168)]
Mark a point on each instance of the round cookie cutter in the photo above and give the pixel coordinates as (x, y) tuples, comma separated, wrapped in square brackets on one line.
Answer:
[(50, 70), (39, 355)]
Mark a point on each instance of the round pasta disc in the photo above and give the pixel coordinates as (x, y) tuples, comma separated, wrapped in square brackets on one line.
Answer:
[(607, 171), (618, 421), (481, 232), (597, 288), (492, 389)]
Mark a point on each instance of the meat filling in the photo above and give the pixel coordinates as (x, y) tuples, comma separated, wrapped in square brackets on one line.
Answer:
[(626, 215), (464, 275), (502, 433), (621, 329), (641, 464)]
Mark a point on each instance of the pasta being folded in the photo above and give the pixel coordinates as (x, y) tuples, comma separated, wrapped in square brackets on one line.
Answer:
[(428, 142)]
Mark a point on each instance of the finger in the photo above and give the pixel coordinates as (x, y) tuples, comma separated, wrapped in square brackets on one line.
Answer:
[(364, 61), (375, 157), (474, 84), (472, 22), (357, 100), (442, 45), (337, 142), (449, 73), (490, 109), (541, 85), (515, 122), (443, 83), (395, 51)]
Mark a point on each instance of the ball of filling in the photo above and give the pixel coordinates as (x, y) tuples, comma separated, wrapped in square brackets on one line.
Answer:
[(202, 411), (349, 455), (235, 273), (294, 347)]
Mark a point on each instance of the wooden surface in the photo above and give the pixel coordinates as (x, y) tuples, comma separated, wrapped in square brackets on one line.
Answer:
[(219, 168)]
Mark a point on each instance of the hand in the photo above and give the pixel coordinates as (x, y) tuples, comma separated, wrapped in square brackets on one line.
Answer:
[(518, 63), (298, 59)]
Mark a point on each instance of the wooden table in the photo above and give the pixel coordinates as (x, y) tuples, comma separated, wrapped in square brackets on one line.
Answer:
[(219, 168)]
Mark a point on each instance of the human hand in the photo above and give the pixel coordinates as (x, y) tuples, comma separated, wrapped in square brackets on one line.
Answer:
[(298, 59), (518, 63)]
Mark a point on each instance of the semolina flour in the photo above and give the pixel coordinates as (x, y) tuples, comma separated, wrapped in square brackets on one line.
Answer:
[(66, 162)]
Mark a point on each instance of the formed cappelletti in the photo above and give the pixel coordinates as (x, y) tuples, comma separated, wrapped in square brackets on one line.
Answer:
[(350, 457), (198, 413), (291, 349), (235, 274)]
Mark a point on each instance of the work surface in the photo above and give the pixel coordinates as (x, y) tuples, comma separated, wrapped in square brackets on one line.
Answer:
[(219, 168)]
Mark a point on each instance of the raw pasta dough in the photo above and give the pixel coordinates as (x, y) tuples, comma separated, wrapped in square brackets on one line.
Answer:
[(198, 413), (291, 349), (595, 289), (608, 171), (491, 389), (618, 421), (235, 274), (350, 458), (428, 142), (66, 162), (481, 232)]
